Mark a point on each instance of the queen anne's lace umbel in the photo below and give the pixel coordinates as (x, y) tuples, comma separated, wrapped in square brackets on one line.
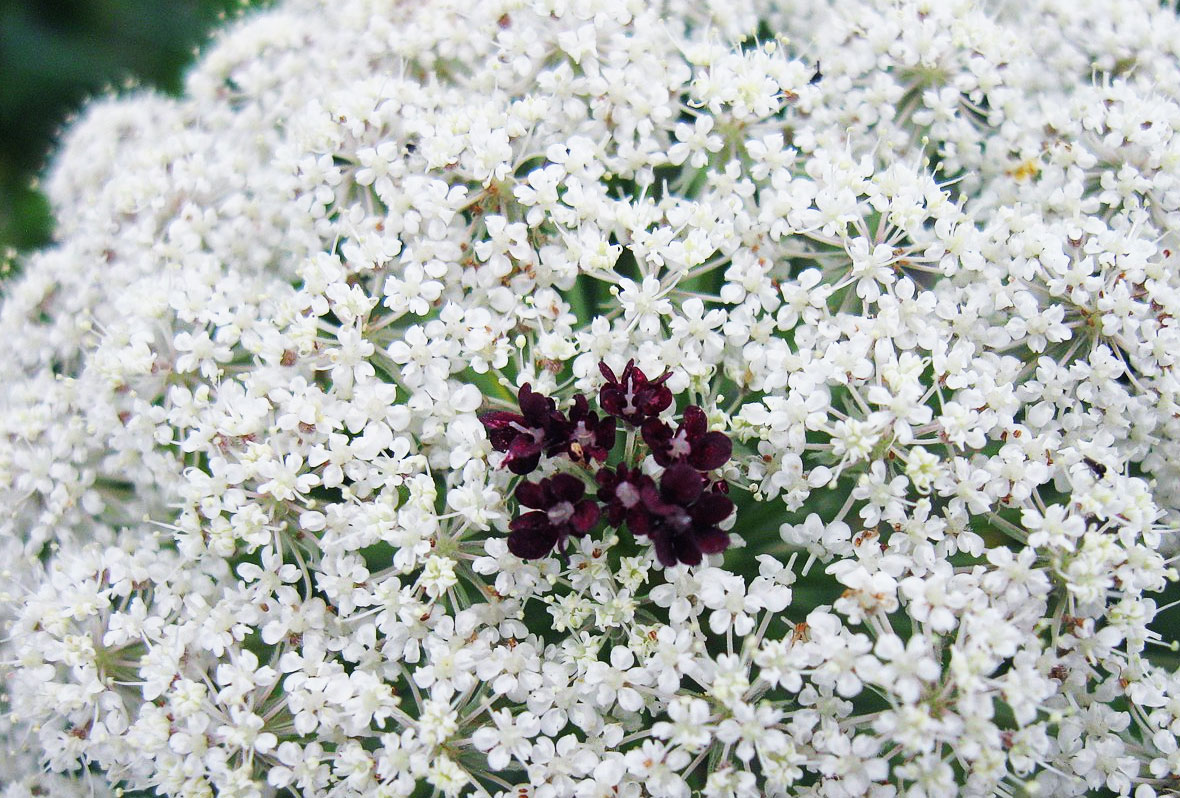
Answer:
[(905, 276)]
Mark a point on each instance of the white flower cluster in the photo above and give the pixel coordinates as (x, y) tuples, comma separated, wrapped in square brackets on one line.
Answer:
[(918, 259)]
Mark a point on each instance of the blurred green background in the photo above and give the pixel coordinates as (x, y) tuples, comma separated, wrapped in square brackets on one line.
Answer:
[(56, 53)]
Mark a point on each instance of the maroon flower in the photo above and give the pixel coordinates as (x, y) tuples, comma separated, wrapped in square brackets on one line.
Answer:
[(633, 397), (684, 517), (692, 442), (622, 493), (590, 438), (538, 428), (558, 512)]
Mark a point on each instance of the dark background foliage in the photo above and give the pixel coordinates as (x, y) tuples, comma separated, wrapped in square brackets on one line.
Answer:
[(56, 53)]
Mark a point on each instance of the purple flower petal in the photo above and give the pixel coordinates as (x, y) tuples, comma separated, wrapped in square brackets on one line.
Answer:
[(604, 436), (533, 538), (531, 495), (694, 422), (658, 437), (500, 428), (585, 516), (533, 405), (711, 509), (566, 488), (681, 484), (675, 549), (653, 502), (523, 455), (711, 450), (711, 541), (639, 521), (665, 550)]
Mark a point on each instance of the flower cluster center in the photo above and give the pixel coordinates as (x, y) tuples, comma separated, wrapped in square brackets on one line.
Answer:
[(665, 489)]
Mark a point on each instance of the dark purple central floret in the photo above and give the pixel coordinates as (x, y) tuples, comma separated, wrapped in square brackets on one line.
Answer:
[(684, 517), (590, 437), (538, 428), (633, 397), (679, 508), (622, 492), (691, 443), (559, 511)]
